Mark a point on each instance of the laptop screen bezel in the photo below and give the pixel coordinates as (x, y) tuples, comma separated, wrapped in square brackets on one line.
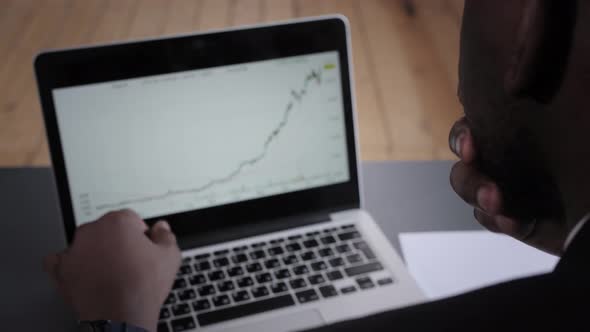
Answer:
[(94, 64)]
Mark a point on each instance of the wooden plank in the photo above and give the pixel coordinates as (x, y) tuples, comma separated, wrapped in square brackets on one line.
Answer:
[(214, 14), (413, 84), (277, 10), (149, 20), (15, 17), (24, 124), (183, 17), (116, 21), (442, 25), (20, 119), (244, 12)]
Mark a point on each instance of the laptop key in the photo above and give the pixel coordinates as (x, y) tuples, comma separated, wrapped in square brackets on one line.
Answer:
[(202, 256), (258, 244), (164, 313), (216, 275), (349, 236), (257, 254), (311, 243), (325, 252), (292, 247), (279, 287), (272, 263), (347, 290), (329, 239), (235, 271), (335, 262), (328, 291), (282, 274), (318, 266), (239, 258), (240, 248), (187, 294), (308, 255), (316, 279), (202, 266), (197, 279), (343, 248), (170, 299), (163, 327), (181, 309), (221, 262), (290, 259), (185, 269), (300, 269), (253, 267), (354, 258), (365, 283), (349, 226), (307, 296), (263, 278), (183, 324), (260, 291), (225, 286), (245, 282), (220, 300), (179, 283), (241, 296), (384, 281), (365, 249), (246, 309), (362, 269), (277, 241), (298, 283), (334, 275), (200, 305), (275, 251), (221, 252), (206, 290), (294, 237)]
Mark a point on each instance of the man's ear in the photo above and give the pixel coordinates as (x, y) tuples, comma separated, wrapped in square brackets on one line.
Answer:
[(541, 51)]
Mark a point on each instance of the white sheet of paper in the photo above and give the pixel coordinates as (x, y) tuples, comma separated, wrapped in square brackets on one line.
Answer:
[(450, 263)]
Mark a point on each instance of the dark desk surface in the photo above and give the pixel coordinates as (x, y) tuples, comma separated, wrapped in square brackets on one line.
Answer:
[(401, 196)]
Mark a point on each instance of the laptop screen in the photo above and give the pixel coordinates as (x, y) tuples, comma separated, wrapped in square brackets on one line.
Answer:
[(189, 140)]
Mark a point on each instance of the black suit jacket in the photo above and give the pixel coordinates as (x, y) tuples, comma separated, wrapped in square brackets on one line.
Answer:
[(557, 301)]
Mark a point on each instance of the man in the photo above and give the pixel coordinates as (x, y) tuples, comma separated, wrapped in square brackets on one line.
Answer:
[(524, 69)]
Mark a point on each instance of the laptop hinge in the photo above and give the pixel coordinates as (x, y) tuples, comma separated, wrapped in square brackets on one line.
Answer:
[(252, 229)]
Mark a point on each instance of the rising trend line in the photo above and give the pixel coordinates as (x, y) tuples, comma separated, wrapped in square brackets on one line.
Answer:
[(296, 97)]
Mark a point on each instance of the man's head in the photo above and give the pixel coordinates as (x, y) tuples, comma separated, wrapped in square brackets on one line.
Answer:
[(522, 67)]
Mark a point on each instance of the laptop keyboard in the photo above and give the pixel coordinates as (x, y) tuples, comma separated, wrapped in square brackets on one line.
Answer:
[(239, 281)]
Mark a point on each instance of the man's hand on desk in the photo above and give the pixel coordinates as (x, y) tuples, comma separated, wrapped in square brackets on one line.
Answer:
[(114, 271), (484, 195)]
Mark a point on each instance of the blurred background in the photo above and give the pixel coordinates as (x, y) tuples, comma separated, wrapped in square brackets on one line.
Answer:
[(405, 55)]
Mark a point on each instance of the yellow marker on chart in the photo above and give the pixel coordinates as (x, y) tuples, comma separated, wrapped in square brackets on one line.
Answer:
[(329, 66)]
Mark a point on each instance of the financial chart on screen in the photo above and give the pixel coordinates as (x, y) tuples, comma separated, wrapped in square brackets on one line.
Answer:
[(183, 141)]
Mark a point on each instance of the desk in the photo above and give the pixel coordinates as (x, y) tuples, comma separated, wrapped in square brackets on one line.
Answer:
[(401, 196)]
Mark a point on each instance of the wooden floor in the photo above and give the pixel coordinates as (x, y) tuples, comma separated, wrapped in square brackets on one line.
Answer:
[(405, 58)]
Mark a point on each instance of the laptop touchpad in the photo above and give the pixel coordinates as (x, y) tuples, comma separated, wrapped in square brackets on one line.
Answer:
[(295, 321)]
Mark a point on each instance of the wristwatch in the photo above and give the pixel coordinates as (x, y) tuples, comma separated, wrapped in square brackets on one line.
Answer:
[(107, 326)]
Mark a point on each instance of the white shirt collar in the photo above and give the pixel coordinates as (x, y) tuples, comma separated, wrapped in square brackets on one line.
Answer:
[(575, 231)]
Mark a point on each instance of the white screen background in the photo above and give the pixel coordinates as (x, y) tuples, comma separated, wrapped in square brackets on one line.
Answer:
[(171, 143)]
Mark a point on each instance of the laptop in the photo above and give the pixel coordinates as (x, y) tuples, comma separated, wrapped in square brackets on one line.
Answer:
[(244, 140)]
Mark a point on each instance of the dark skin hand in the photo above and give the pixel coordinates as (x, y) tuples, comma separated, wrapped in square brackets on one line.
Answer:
[(483, 194), (117, 269)]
